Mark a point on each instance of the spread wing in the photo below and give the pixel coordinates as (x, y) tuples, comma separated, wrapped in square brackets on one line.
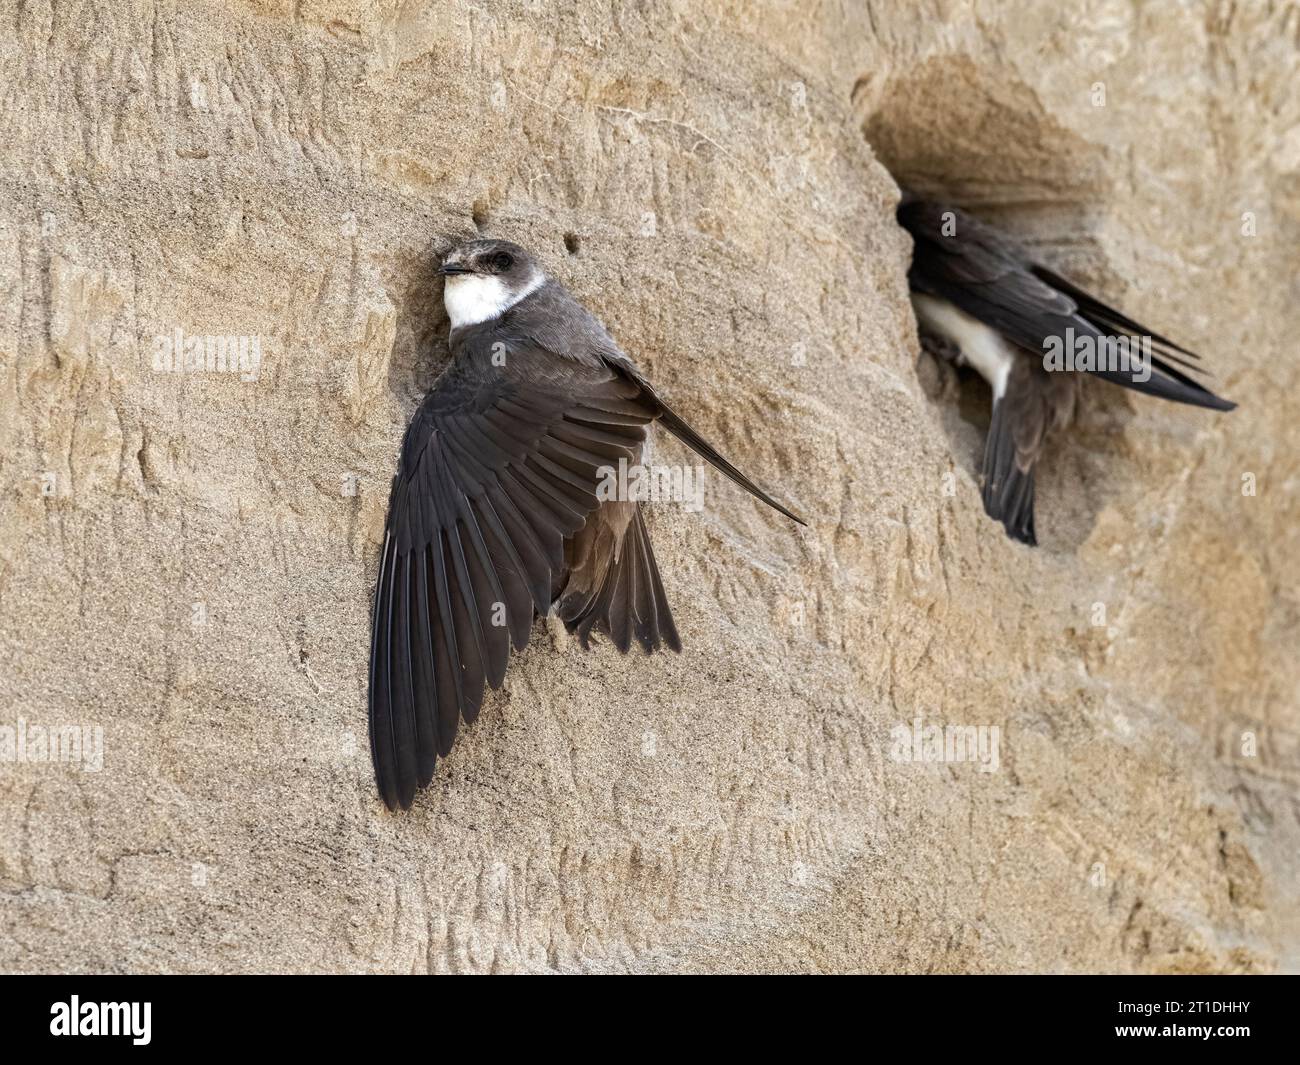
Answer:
[(970, 264), (495, 473)]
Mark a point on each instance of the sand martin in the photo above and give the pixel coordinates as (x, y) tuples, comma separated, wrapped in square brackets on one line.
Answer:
[(1031, 335), (495, 513)]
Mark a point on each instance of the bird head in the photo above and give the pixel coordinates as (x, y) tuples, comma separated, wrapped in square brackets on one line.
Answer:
[(485, 278)]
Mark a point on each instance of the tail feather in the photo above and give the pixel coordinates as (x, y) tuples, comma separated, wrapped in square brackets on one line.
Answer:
[(627, 599), (662, 626), (1008, 489)]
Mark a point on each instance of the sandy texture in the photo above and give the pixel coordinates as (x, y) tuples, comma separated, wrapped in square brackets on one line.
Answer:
[(186, 558)]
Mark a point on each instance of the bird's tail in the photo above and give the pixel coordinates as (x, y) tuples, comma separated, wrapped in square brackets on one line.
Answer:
[(1008, 479), (614, 586)]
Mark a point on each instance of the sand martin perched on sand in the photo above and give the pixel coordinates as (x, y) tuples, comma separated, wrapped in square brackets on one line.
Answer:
[(495, 514), (1031, 334)]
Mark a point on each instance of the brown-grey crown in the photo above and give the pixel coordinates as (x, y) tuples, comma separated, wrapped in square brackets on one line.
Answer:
[(498, 258)]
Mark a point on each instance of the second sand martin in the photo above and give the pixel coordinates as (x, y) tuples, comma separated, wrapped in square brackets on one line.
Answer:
[(995, 309)]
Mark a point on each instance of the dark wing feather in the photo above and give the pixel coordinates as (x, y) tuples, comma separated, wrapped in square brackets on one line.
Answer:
[(612, 582), (552, 318), (970, 264), (1105, 316), (975, 268), (496, 472), (688, 436)]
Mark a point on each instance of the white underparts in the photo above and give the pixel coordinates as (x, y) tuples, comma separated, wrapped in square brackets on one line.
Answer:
[(981, 347), (474, 298)]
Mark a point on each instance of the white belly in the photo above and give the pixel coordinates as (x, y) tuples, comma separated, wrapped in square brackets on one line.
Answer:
[(981, 347)]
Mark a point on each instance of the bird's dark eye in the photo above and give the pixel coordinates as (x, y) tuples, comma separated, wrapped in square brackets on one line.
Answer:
[(501, 262)]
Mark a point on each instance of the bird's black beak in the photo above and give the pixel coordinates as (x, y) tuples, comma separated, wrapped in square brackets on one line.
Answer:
[(447, 269)]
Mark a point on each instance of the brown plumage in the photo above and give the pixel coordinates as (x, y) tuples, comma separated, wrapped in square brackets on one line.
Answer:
[(494, 515), (985, 302)]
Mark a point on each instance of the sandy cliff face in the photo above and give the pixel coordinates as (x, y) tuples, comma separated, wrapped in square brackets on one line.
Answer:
[(186, 558)]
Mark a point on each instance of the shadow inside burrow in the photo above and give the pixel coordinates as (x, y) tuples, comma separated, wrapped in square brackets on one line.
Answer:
[(966, 133)]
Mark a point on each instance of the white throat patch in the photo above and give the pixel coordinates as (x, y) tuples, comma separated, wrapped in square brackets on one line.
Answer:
[(474, 298)]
